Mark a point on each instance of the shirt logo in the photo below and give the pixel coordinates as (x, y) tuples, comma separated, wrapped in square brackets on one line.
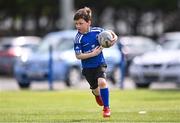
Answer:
[(93, 46), (85, 44), (76, 47)]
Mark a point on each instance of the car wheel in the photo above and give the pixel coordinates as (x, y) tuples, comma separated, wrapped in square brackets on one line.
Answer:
[(178, 84), (142, 85), (116, 75), (24, 84), (74, 76)]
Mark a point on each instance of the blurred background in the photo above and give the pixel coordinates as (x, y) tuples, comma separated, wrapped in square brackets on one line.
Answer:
[(26, 27), (35, 17)]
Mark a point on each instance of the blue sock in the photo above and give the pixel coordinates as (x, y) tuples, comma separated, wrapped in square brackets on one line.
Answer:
[(105, 96)]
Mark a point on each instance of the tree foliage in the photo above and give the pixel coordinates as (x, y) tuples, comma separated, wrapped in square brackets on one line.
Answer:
[(141, 4), (35, 9)]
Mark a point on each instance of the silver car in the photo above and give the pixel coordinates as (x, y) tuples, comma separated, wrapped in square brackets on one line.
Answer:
[(157, 66), (136, 45)]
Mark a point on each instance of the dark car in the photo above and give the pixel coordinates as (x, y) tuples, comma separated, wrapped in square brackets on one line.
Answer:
[(12, 48)]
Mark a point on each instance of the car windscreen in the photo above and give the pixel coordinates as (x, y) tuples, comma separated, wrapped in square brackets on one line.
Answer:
[(5, 46), (58, 45), (141, 45), (6, 43), (171, 45)]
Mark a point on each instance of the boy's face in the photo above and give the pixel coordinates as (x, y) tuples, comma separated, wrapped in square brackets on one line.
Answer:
[(82, 26)]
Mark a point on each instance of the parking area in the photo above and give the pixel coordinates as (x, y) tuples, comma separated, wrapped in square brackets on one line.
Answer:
[(7, 83), (10, 84)]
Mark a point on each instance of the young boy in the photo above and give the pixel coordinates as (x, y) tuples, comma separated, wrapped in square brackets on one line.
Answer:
[(89, 51)]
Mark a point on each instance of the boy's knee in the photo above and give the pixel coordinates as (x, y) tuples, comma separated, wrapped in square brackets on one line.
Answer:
[(102, 83)]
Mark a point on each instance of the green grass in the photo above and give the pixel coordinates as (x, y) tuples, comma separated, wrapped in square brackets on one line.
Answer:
[(70, 106)]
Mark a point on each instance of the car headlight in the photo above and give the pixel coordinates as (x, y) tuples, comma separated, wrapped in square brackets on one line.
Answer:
[(24, 58), (136, 61)]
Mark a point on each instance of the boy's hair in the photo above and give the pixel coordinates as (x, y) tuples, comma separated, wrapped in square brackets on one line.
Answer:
[(83, 13)]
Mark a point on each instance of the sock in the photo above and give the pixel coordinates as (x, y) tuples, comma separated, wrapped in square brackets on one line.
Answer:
[(105, 96)]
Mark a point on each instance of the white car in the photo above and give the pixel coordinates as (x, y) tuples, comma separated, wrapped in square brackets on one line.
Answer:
[(133, 46), (157, 66)]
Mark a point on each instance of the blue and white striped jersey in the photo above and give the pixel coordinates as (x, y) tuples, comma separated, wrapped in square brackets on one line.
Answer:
[(85, 43)]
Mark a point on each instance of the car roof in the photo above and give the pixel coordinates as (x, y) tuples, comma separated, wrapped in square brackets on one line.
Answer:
[(171, 35), (64, 33), (134, 39), (20, 40)]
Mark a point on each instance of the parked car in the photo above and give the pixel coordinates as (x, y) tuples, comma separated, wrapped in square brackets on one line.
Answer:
[(12, 48), (134, 46), (168, 36), (65, 65), (157, 66)]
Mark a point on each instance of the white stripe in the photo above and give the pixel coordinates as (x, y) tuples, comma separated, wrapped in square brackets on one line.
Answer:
[(80, 38), (77, 38), (95, 30)]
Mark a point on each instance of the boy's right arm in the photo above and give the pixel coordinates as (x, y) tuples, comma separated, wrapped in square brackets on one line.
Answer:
[(95, 52)]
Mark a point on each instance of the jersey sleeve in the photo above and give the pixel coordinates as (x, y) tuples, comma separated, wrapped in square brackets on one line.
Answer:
[(77, 44)]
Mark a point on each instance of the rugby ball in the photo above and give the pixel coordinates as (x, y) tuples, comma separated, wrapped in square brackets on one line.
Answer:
[(105, 37)]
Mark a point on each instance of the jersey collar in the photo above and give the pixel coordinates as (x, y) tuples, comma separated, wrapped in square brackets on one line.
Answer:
[(89, 30)]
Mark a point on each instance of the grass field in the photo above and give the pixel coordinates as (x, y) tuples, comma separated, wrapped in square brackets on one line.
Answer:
[(74, 106)]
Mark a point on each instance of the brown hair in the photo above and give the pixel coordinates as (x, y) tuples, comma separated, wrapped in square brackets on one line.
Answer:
[(83, 13)]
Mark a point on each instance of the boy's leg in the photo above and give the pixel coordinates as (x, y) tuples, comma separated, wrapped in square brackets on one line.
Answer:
[(104, 92), (89, 75), (105, 97), (97, 95)]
